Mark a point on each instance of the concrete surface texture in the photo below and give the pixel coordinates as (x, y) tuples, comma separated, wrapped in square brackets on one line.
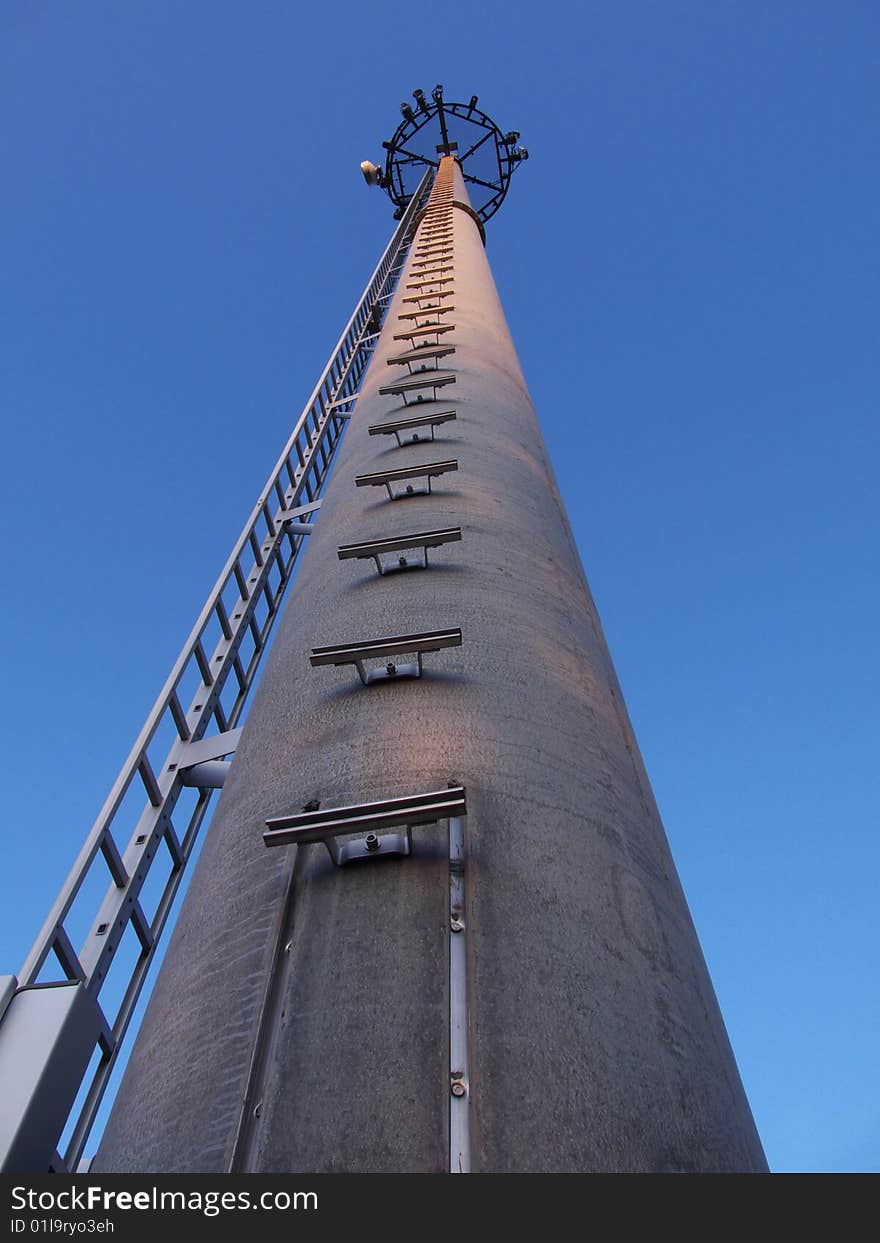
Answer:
[(300, 1021)]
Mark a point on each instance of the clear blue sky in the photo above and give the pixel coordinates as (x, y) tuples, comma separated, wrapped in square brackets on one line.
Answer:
[(689, 263)]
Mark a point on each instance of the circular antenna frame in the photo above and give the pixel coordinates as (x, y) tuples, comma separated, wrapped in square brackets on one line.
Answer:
[(435, 127)]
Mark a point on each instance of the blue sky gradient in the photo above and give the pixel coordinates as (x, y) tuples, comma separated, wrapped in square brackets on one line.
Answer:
[(689, 265)]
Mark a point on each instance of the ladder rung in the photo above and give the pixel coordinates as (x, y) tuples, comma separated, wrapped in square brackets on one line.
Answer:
[(67, 955), (113, 859), (148, 777), (141, 926)]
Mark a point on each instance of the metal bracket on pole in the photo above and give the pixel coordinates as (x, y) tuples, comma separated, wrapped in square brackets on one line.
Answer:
[(415, 358), (429, 280), (430, 299), (429, 289), (374, 549), (208, 776), (395, 813), (385, 478), (425, 271), (423, 324), (396, 426), (444, 249), (337, 406), (389, 649), (202, 764), (412, 385), (288, 516), (429, 330), (217, 747)]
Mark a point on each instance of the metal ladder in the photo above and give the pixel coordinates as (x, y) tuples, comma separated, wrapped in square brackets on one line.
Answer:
[(58, 1047)]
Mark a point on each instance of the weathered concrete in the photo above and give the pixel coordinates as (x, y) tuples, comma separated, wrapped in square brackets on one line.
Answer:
[(597, 1043)]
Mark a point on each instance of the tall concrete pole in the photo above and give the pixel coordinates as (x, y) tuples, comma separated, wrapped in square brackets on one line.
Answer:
[(303, 1016)]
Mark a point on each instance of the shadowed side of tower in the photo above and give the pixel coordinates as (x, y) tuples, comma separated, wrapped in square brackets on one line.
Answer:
[(301, 1018)]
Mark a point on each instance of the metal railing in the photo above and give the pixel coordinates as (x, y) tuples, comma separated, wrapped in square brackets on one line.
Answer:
[(221, 659)]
